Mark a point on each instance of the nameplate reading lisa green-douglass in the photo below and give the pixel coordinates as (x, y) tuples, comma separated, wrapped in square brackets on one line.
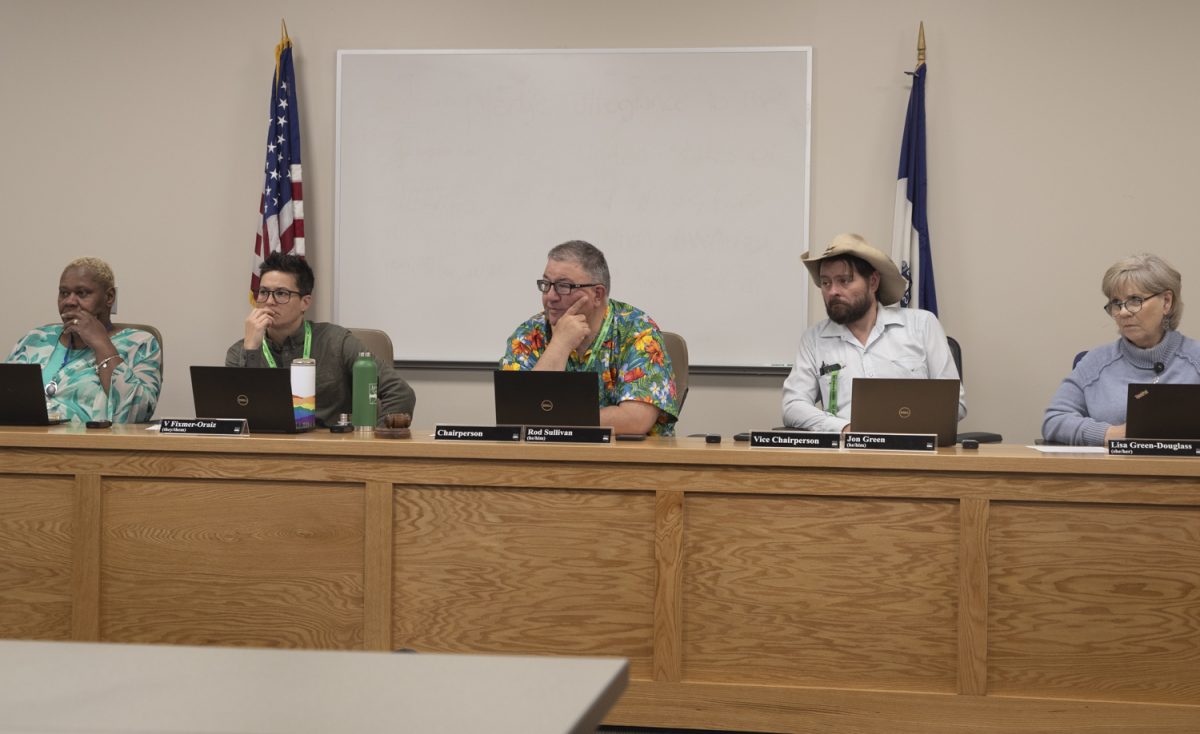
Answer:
[(1154, 447)]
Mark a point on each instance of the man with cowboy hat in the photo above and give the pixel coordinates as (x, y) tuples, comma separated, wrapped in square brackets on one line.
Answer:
[(867, 334)]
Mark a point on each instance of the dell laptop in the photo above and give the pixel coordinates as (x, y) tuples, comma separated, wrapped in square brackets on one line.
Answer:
[(547, 398), (1163, 411), (887, 405), (261, 395), (23, 396)]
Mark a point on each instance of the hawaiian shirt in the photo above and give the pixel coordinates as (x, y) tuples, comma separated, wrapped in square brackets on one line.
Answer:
[(632, 363), (133, 389)]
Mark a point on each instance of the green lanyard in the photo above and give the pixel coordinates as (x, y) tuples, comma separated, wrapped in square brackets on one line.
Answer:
[(833, 392), (594, 351), (307, 345)]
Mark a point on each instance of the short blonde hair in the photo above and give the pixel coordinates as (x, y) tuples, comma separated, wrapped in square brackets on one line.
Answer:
[(1149, 273), (95, 267)]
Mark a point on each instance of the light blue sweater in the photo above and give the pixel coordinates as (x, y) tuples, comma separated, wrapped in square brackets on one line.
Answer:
[(1094, 395)]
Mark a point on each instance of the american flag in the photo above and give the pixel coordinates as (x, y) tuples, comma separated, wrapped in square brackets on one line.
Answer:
[(281, 209), (910, 232)]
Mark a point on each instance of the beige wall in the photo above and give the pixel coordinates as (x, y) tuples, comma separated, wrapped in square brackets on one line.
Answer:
[(1063, 134)]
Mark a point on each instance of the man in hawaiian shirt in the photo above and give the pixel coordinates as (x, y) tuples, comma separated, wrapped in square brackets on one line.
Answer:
[(580, 329)]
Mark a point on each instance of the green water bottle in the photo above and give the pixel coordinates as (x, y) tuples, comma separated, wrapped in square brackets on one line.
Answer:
[(366, 392)]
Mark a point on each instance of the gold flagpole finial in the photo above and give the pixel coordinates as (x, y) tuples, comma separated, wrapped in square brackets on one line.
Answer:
[(283, 35), (921, 45)]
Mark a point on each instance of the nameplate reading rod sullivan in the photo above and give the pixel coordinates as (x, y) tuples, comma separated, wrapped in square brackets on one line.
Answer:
[(574, 434)]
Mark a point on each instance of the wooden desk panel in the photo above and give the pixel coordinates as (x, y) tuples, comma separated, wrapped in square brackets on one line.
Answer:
[(232, 563), (35, 556), (848, 593), (766, 590)]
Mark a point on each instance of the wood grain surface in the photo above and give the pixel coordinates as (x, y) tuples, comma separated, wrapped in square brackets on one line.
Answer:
[(238, 563), (993, 591), (35, 556), (543, 572), (814, 591), (1098, 602)]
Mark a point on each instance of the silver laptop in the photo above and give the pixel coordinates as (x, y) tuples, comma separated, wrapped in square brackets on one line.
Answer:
[(261, 395), (898, 405), (547, 398), (23, 396), (1163, 411)]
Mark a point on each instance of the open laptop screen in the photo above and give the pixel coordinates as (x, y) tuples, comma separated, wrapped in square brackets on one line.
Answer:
[(547, 398), (261, 395), (897, 405), (1163, 411), (22, 396)]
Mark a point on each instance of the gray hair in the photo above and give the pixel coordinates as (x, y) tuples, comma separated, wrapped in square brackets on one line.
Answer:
[(1149, 273), (97, 269), (588, 256)]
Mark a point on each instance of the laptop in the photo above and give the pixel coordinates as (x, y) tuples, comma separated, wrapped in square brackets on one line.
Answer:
[(261, 395), (1163, 411), (23, 396), (547, 398), (887, 405)]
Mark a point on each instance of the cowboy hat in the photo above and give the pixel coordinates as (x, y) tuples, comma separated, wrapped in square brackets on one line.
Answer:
[(891, 283)]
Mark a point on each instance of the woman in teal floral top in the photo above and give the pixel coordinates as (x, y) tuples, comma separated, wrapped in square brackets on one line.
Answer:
[(90, 371), (582, 330)]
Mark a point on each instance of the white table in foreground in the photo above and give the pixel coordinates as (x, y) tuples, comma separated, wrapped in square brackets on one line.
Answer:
[(96, 687)]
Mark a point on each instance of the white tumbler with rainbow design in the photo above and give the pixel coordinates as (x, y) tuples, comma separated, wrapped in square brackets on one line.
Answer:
[(304, 392)]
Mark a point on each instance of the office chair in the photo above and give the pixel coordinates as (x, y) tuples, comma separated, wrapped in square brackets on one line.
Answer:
[(377, 342), (678, 352), (980, 436)]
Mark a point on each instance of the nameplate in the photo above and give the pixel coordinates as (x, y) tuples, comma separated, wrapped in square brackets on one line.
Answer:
[(1154, 447), (892, 441), (205, 426), (559, 434), (794, 440), (476, 433)]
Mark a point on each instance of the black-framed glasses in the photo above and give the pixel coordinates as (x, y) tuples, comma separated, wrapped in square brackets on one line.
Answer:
[(562, 288), (1133, 304), (282, 295)]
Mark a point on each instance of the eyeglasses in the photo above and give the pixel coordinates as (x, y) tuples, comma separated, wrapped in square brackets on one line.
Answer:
[(1133, 304), (282, 295), (562, 288)]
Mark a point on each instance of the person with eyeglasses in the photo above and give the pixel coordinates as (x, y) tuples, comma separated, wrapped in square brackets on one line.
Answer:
[(581, 329), (867, 334), (1142, 294), (91, 370), (276, 332)]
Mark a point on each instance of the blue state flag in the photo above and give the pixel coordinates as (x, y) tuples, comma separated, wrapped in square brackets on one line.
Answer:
[(910, 233)]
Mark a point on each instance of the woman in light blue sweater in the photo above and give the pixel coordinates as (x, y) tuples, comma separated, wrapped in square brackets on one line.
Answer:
[(1143, 297)]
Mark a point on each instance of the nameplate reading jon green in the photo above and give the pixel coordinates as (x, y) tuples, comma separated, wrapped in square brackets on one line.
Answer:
[(794, 440), (892, 441), (205, 426), (574, 434), (477, 433), (1154, 447)]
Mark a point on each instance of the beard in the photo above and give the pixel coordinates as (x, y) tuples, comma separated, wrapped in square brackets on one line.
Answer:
[(847, 312)]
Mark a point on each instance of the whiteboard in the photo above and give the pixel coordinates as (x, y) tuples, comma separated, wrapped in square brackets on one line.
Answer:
[(458, 170)]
